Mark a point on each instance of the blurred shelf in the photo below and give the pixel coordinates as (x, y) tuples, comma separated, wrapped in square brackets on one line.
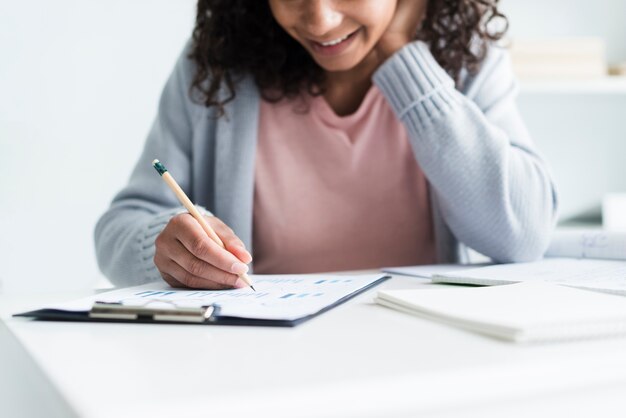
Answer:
[(607, 85)]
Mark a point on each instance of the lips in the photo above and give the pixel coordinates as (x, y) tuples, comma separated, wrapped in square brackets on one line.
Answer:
[(333, 46)]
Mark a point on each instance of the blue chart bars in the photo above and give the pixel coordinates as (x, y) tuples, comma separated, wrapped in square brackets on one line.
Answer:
[(150, 293), (319, 288)]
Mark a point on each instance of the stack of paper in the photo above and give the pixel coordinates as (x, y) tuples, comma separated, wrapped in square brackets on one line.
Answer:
[(607, 276), (572, 58), (523, 312), (429, 270)]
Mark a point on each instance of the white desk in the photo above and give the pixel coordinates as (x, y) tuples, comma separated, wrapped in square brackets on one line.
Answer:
[(356, 360)]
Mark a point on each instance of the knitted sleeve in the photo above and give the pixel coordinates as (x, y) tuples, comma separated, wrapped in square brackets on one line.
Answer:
[(493, 188)]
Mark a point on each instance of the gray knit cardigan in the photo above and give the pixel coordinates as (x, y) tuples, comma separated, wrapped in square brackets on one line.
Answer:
[(489, 187)]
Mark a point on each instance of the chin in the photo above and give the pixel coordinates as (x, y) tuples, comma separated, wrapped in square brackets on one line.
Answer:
[(338, 65), (336, 68)]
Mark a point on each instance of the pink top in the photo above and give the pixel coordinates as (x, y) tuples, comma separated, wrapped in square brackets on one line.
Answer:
[(337, 193)]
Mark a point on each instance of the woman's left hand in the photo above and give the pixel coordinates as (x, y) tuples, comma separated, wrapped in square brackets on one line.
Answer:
[(403, 27)]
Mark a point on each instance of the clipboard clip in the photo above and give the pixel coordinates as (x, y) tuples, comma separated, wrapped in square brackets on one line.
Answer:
[(160, 313)]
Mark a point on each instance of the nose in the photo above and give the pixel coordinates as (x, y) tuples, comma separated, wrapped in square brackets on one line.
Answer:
[(321, 17)]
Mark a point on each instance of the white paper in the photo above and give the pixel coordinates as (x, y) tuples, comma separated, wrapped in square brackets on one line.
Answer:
[(601, 275), (282, 297), (520, 312), (427, 271), (588, 243)]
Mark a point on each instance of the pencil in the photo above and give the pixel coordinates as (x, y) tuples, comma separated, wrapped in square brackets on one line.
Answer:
[(180, 194)]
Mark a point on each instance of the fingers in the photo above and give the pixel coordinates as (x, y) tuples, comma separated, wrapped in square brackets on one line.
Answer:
[(207, 253), (186, 256), (169, 279), (191, 235), (233, 244), (240, 252), (197, 267), (191, 281)]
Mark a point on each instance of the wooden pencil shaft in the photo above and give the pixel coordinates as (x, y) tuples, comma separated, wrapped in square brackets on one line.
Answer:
[(182, 197)]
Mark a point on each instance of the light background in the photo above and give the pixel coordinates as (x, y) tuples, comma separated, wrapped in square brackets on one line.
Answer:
[(581, 133), (79, 85)]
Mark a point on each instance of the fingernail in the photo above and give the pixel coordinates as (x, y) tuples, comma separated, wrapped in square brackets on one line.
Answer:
[(239, 268), (240, 284)]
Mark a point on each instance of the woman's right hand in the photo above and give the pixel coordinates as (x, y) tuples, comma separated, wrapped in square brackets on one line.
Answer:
[(186, 257)]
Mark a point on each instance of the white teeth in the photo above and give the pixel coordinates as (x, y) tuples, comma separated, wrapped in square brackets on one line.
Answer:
[(335, 42)]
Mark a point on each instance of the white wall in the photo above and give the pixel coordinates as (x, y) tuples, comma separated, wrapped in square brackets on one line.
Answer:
[(79, 85), (562, 18), (582, 134)]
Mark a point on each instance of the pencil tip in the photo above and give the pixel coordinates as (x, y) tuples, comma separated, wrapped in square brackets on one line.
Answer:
[(252, 287)]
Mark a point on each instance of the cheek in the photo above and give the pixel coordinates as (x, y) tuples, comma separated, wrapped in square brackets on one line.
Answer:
[(283, 15), (375, 16)]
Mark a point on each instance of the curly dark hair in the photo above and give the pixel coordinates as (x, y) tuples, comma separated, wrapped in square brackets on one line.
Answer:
[(236, 37)]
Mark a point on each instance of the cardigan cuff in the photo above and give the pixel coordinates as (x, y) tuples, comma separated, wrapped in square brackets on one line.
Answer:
[(413, 81)]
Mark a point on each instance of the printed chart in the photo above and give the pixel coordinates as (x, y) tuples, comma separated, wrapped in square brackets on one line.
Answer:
[(285, 297)]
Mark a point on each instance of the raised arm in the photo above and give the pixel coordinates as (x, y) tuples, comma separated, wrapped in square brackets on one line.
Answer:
[(493, 188)]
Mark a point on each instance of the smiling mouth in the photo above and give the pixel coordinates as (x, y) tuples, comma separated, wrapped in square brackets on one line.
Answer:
[(335, 42), (334, 46)]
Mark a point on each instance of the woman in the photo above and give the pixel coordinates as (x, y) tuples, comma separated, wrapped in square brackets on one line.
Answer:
[(333, 135)]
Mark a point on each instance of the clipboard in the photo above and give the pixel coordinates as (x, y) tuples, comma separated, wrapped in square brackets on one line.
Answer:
[(155, 312)]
